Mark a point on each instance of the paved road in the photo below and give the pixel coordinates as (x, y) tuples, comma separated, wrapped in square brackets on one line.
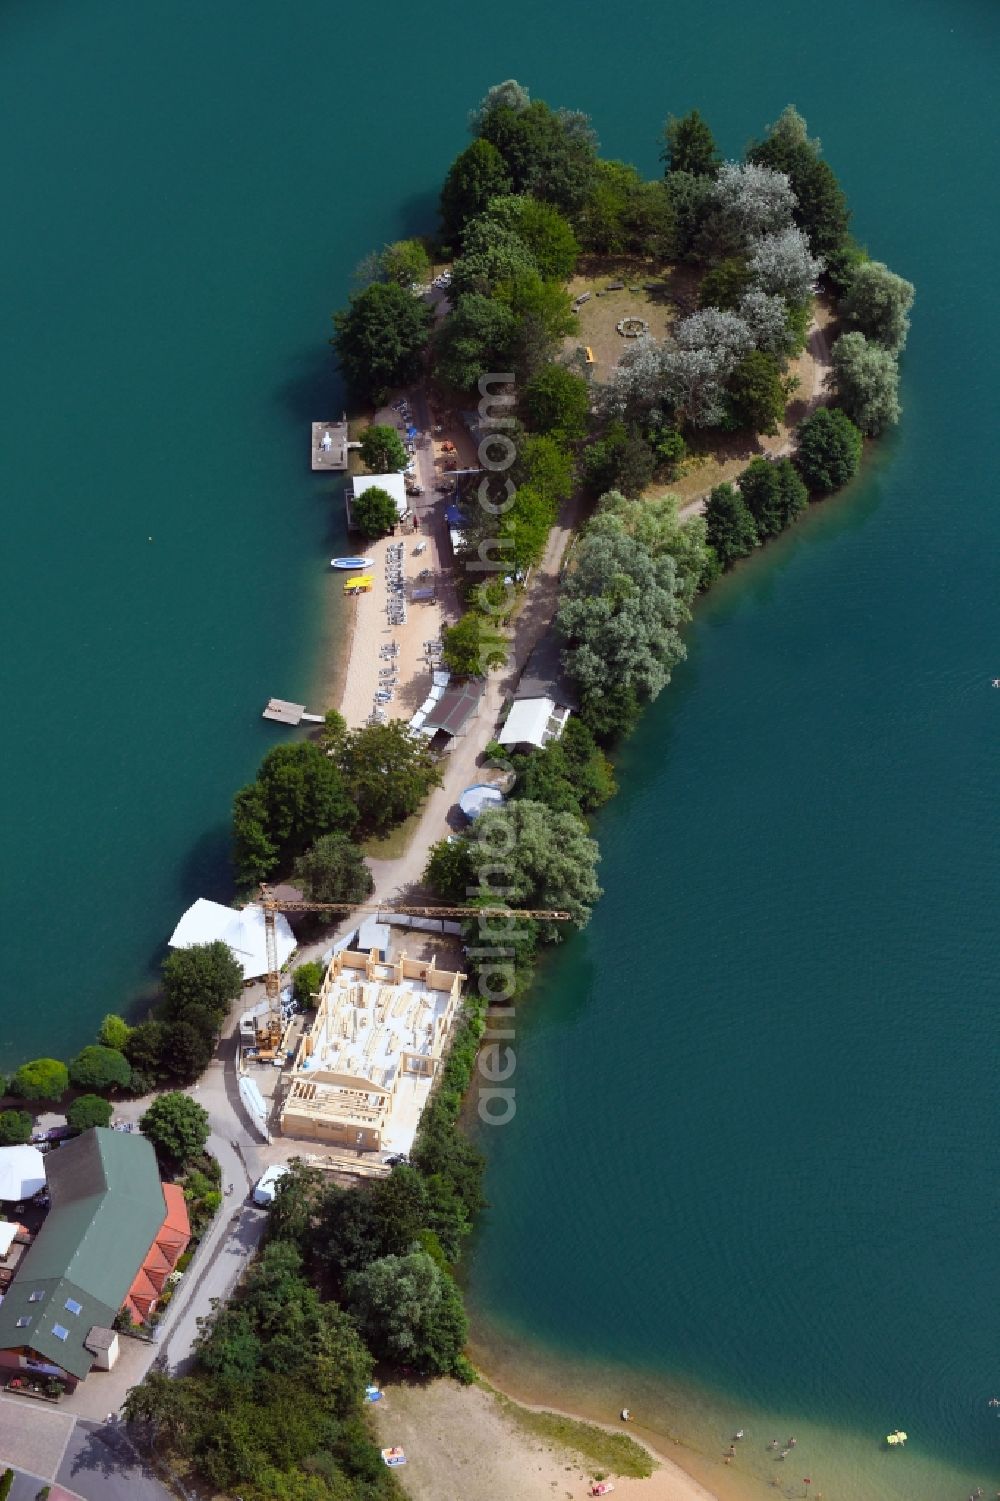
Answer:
[(101, 1464)]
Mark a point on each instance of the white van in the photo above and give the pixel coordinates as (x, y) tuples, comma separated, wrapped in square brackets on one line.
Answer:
[(268, 1185)]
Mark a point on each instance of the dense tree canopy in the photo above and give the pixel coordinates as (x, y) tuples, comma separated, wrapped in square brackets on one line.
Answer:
[(41, 1079), (557, 401), (382, 449), (16, 1127), (333, 870), (410, 1312), (620, 460), (177, 1126), (783, 265), (476, 338), (470, 648), (689, 146), (828, 450), (379, 338), (877, 304), (98, 1067), (88, 1110), (200, 984), (388, 771), (374, 512), (526, 855), (820, 206), (478, 174), (298, 795), (757, 393), (624, 214), (732, 531), (543, 229), (656, 526), (568, 775), (405, 262), (549, 153), (867, 382), (619, 612), (773, 493)]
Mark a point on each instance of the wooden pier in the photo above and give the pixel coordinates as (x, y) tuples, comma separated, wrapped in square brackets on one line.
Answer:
[(283, 712), (329, 446)]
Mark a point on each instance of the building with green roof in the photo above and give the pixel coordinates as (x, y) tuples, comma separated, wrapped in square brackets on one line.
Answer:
[(107, 1211)]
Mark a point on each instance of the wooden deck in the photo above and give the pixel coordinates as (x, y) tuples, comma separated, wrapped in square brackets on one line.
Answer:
[(283, 712), (329, 446)]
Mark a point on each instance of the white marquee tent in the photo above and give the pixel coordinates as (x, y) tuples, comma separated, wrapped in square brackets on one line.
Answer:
[(22, 1173), (393, 484), (243, 931)]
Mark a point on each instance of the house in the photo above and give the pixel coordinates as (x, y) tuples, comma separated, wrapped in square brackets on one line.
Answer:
[(110, 1240), (543, 699), (457, 705)]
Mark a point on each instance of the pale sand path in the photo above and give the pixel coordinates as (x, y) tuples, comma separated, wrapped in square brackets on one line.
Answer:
[(461, 1446)]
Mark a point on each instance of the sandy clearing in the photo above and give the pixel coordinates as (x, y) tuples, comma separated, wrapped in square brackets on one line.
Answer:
[(462, 1446)]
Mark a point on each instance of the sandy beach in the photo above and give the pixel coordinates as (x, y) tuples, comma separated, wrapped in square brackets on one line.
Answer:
[(461, 1445)]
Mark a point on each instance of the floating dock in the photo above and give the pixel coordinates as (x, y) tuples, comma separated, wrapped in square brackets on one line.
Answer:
[(283, 712), (329, 445)]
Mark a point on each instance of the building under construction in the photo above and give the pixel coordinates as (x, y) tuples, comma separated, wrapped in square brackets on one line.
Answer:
[(363, 1072)]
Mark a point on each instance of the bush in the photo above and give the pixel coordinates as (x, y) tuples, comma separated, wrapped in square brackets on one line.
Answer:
[(306, 982), (177, 1126), (114, 1032), (732, 531), (374, 512), (829, 450), (42, 1079), (97, 1067), (89, 1110), (15, 1128)]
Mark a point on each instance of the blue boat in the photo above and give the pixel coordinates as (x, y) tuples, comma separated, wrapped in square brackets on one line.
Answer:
[(351, 563)]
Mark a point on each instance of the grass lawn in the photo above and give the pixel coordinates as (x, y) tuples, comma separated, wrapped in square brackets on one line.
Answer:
[(613, 1453), (673, 293)]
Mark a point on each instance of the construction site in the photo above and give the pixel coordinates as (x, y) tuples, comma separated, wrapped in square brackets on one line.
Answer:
[(364, 1069)]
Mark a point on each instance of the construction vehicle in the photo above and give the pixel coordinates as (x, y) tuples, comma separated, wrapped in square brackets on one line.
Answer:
[(272, 905)]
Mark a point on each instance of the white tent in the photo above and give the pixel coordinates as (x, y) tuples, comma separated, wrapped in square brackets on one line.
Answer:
[(8, 1233), (243, 931), (533, 721), (22, 1172)]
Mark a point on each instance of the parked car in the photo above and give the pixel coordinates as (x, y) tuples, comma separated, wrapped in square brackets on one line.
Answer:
[(267, 1186)]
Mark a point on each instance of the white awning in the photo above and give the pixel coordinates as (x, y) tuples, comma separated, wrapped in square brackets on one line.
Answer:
[(8, 1232), (393, 484), (528, 722), (22, 1173), (243, 932)]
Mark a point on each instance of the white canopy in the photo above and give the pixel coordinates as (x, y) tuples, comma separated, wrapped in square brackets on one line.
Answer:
[(528, 722), (8, 1231), (22, 1172), (243, 931)]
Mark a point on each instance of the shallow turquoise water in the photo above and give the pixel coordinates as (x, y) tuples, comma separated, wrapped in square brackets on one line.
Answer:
[(768, 1065)]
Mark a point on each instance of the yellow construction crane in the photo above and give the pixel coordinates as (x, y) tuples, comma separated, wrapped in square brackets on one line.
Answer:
[(273, 904)]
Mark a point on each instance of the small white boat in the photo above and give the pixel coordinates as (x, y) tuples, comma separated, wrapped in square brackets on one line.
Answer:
[(351, 563)]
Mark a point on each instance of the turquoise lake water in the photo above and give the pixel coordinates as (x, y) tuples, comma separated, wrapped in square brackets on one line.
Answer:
[(752, 1170)]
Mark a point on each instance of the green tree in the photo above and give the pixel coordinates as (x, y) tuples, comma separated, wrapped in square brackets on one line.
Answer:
[(621, 460), (382, 450), (254, 854), (828, 449), (689, 146), (145, 1047), (405, 262), (475, 338), (16, 1127), (470, 648), (690, 198), (410, 1312), (399, 1211), (89, 1110), (333, 870), (374, 513), (114, 1032), (619, 613), (305, 984), (299, 795), (548, 235), (568, 775), (821, 208), (543, 316), (623, 214), (168, 1405), (97, 1067), (6, 1481), (877, 303), (757, 393), (557, 401), (449, 871), (548, 860), (549, 154), (42, 1079), (543, 463), (379, 338), (773, 494), (200, 984), (725, 284), (478, 174), (177, 1126), (187, 1048), (493, 257), (732, 531), (388, 771), (655, 524), (867, 382)]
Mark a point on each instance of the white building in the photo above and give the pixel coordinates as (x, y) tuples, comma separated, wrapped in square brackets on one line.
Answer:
[(393, 484)]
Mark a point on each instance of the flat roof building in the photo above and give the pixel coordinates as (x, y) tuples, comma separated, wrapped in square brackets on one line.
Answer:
[(363, 1072)]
